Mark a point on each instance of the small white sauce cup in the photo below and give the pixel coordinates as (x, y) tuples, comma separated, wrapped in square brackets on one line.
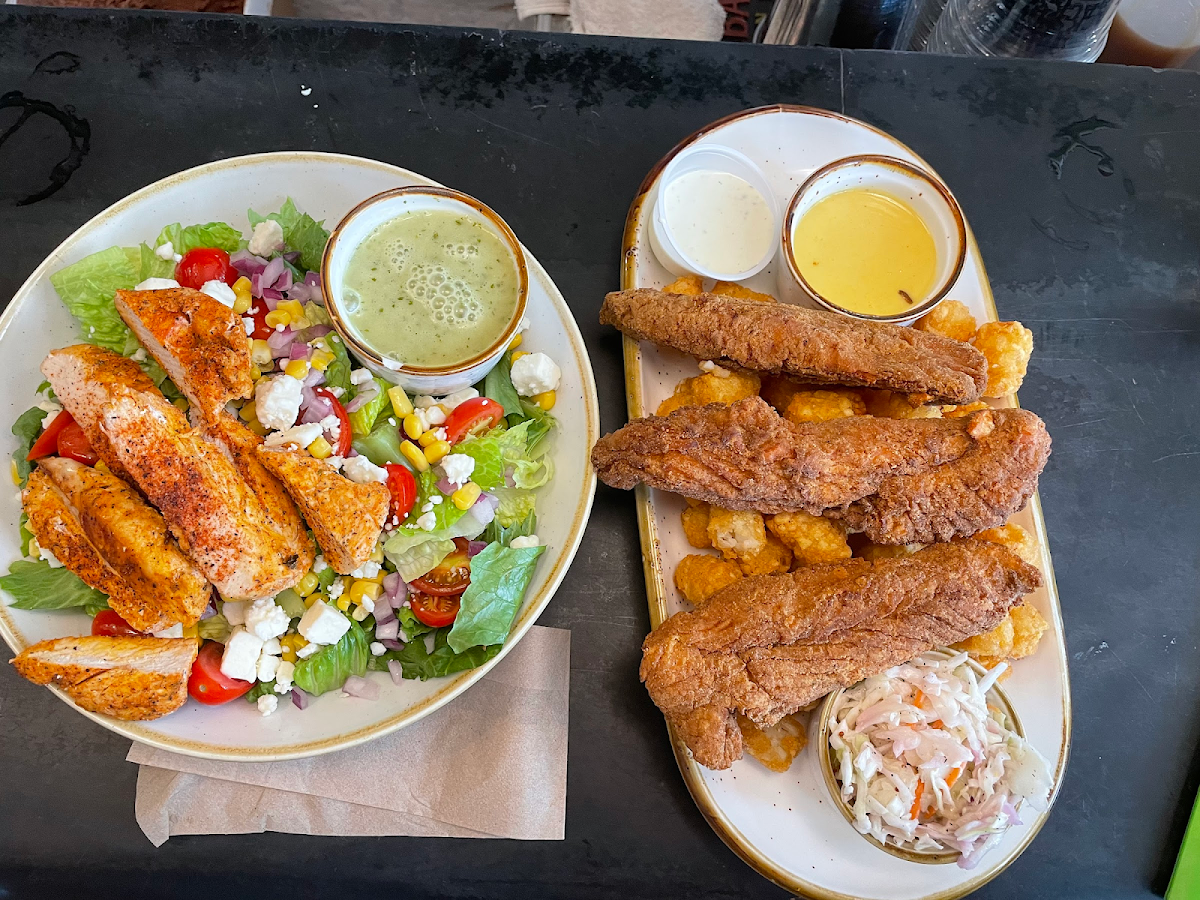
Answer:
[(357, 226), (707, 158), (922, 191)]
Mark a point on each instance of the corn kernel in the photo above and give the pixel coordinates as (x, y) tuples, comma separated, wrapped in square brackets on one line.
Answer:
[(360, 613), (241, 304), (180, 404), (362, 587), (255, 373), (16, 477), (545, 400), (257, 427), (518, 355), (465, 496), (414, 455), (401, 405), (435, 451), (293, 642), (307, 584), (288, 655), (429, 437), (314, 598), (277, 317), (516, 342), (320, 448), (412, 426), (260, 353), (295, 312), (192, 631), (297, 368), (101, 467), (248, 412), (343, 603), (377, 554), (321, 360)]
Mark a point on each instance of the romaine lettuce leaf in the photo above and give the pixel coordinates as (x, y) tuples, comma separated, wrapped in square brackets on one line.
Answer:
[(212, 234), (411, 625), (499, 577), (499, 533), (260, 689), (300, 232), (329, 667), (363, 419), (498, 386), (493, 452), (516, 505), (214, 628), (415, 560), (381, 446), (337, 374), (87, 289), (416, 660), (33, 584), (27, 428)]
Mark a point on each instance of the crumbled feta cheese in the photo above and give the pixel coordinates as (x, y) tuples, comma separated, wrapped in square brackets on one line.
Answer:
[(336, 461), (165, 251), (363, 471), (435, 415), (450, 401), (55, 563), (300, 435), (331, 424), (457, 467), (337, 588), (439, 433), (267, 704), (283, 676), (156, 284), (234, 611), (530, 540), (265, 619), (360, 376), (711, 368), (436, 499), (240, 659), (319, 564), (427, 506), (369, 569), (219, 291), (248, 325), (277, 401), (377, 649), (366, 604), (51, 409), (421, 420), (273, 647), (392, 364), (535, 373), (337, 391), (139, 355), (423, 401), (391, 420), (267, 666), (174, 631), (307, 650), (323, 624), (427, 522), (267, 238)]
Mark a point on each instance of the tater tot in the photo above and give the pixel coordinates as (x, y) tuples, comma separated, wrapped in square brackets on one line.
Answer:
[(778, 390), (890, 405), (774, 559), (812, 539), (1016, 539), (727, 388), (733, 289), (775, 746), (681, 397), (701, 575), (685, 284), (823, 405), (998, 642), (1007, 346), (872, 552), (1028, 628), (957, 412), (950, 318), (738, 534), (695, 526)]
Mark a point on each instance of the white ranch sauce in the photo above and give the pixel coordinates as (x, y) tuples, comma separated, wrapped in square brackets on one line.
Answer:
[(718, 220)]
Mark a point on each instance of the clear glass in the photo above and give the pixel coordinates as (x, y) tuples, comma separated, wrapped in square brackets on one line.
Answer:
[(1045, 29)]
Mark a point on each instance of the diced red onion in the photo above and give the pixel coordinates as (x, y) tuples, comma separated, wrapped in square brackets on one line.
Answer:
[(394, 589), (247, 263), (291, 256), (299, 698), (353, 453), (299, 350), (388, 630), (211, 609), (396, 671), (361, 688), (299, 291), (313, 279), (384, 614), (508, 480), (314, 378), (445, 486), (397, 644), (280, 342), (474, 548), (313, 407), (360, 400), (317, 331), (284, 281), (271, 297), (271, 273)]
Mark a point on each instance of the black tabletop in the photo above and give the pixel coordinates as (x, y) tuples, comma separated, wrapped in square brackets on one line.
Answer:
[(1082, 184)]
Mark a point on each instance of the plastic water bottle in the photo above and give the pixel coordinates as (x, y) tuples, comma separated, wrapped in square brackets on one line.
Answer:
[(1045, 29)]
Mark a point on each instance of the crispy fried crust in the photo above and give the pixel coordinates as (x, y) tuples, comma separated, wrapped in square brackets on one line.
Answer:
[(768, 646), (818, 347), (123, 677)]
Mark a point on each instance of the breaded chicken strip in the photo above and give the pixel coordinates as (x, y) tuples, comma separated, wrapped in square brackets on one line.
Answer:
[(815, 346), (768, 646)]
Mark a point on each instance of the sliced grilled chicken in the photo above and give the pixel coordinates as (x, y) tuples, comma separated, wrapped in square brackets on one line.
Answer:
[(199, 341), (157, 586), (345, 517), (122, 677)]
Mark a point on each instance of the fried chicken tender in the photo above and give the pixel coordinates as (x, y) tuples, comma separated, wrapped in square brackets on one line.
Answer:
[(774, 559), (812, 539), (695, 526), (738, 534), (957, 412), (733, 289), (727, 387), (823, 405), (1016, 539), (775, 746), (1028, 628), (890, 405), (700, 575), (950, 318), (887, 551), (1007, 346), (689, 285)]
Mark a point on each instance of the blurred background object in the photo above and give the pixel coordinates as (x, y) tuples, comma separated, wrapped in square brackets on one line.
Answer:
[(1042, 29), (1160, 33)]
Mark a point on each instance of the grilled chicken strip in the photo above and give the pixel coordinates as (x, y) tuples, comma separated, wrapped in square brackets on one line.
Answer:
[(814, 346), (104, 532), (346, 517), (200, 342), (897, 480), (769, 645), (123, 677)]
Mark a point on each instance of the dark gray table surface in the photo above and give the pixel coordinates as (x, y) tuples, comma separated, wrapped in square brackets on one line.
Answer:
[(1083, 187)]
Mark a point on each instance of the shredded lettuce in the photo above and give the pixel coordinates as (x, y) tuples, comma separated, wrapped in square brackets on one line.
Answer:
[(328, 668), (27, 428), (516, 505), (33, 584), (260, 689), (417, 661), (212, 234), (506, 450), (301, 232), (499, 577)]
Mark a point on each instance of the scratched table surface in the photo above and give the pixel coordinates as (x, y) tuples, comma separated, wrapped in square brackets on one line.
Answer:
[(1083, 187)]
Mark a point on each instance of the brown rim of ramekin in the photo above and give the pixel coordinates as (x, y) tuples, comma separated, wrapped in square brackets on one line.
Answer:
[(845, 162), (343, 329)]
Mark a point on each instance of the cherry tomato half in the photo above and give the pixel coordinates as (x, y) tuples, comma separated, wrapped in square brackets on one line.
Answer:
[(472, 417), (205, 264), (47, 442), (73, 444), (436, 612), (345, 430), (262, 330), (207, 683), (448, 578), (403, 485), (108, 622)]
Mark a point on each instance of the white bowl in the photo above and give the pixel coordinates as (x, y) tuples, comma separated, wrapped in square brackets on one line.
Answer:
[(358, 225), (707, 158), (923, 192)]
